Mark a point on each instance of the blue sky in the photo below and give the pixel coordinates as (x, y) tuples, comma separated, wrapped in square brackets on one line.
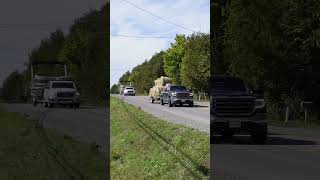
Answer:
[(126, 53)]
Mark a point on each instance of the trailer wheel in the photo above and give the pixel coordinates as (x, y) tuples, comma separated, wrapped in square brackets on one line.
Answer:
[(151, 99)]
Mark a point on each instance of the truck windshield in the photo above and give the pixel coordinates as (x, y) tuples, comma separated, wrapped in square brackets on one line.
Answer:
[(62, 85), (178, 88), (228, 84)]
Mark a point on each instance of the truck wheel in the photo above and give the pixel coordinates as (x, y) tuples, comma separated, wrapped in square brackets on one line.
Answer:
[(259, 138), (45, 104), (50, 105), (169, 103), (191, 104), (34, 103), (227, 135), (77, 105), (161, 101)]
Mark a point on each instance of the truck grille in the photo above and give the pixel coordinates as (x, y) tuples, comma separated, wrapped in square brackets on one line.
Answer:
[(65, 94), (232, 106), (182, 95)]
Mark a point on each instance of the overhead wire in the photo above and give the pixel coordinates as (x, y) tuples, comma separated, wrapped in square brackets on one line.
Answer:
[(157, 16)]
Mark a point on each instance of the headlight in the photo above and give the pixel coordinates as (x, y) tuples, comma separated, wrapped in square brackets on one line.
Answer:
[(259, 103), (174, 94), (191, 94), (77, 93)]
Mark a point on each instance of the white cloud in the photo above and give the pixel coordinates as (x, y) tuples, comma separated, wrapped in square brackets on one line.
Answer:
[(128, 20)]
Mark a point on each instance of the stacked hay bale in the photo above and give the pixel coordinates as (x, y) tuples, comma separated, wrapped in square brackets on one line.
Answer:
[(159, 85)]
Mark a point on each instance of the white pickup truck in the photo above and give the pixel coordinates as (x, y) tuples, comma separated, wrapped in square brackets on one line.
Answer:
[(61, 92)]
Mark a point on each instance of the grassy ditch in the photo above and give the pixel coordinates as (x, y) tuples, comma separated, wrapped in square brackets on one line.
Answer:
[(144, 147), (33, 153)]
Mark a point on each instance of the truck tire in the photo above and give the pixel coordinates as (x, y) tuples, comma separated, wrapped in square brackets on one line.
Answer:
[(50, 105), (227, 134), (45, 104), (191, 104), (169, 103), (34, 103), (77, 105), (259, 134), (161, 101), (259, 137)]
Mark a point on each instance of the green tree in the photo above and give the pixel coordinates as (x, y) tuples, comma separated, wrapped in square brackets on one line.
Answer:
[(114, 89), (13, 88), (195, 66), (173, 58)]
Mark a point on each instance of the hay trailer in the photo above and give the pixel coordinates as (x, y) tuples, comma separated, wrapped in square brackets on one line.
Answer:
[(159, 85)]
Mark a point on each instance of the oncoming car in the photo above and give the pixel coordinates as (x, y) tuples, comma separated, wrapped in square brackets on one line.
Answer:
[(129, 91), (61, 92)]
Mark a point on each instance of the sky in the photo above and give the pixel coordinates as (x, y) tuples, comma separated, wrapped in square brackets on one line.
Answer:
[(128, 19), (24, 23)]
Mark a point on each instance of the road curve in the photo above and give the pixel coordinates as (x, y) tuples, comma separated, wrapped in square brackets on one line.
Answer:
[(196, 117), (88, 124)]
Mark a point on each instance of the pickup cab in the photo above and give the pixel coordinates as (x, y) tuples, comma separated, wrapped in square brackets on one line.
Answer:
[(176, 95), (61, 92), (234, 108)]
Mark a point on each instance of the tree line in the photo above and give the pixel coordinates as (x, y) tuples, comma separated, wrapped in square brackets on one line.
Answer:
[(85, 50), (271, 44), (186, 61)]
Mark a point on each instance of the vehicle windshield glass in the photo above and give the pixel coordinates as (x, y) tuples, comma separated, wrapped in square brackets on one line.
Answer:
[(129, 88), (62, 85), (178, 88), (228, 84)]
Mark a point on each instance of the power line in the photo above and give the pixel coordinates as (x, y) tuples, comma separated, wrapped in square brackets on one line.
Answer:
[(142, 37), (157, 16)]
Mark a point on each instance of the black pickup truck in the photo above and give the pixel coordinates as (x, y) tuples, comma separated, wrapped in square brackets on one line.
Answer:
[(176, 95), (234, 108)]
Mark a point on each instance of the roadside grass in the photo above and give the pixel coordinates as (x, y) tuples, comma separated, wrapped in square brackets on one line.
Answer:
[(33, 153), (145, 147)]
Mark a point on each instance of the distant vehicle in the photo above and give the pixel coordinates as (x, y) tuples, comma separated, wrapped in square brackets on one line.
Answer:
[(129, 91), (159, 86), (234, 108), (61, 92), (38, 82), (176, 95)]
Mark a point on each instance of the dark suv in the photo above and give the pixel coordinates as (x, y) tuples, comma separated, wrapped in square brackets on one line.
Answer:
[(236, 109), (176, 95)]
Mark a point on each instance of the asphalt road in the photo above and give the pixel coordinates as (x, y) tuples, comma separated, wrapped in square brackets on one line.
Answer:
[(196, 117), (88, 124), (290, 153)]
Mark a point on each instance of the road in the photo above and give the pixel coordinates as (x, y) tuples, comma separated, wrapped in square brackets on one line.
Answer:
[(196, 117), (290, 153), (88, 124)]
